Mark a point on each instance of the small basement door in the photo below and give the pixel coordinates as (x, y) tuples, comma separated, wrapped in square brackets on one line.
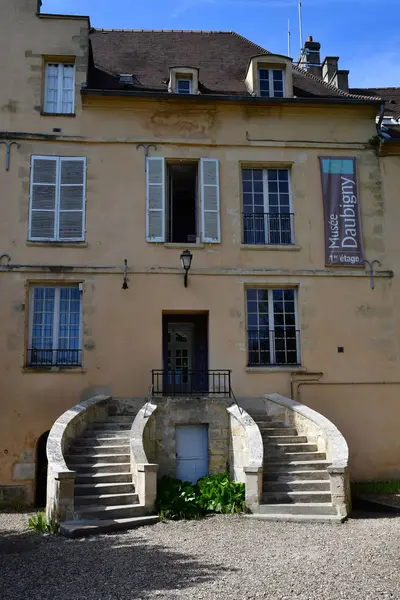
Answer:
[(191, 452)]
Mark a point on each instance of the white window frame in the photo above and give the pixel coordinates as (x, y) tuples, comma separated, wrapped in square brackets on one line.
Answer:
[(57, 185), (189, 79), (271, 81), (60, 88), (267, 212), (271, 326), (56, 322)]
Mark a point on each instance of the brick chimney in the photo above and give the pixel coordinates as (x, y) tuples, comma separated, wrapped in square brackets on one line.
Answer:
[(311, 58)]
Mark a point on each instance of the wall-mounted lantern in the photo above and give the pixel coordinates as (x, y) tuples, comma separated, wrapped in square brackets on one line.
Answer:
[(186, 260)]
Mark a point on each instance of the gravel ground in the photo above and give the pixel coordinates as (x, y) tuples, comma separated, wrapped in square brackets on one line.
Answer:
[(217, 558)]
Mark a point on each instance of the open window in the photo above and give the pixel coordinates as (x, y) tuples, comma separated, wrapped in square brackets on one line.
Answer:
[(182, 201)]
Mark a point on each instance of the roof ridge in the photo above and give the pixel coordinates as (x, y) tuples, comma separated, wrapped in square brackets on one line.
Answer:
[(162, 30), (330, 86)]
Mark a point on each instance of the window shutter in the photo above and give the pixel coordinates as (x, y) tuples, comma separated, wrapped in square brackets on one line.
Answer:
[(210, 200), (155, 199), (42, 213), (71, 219)]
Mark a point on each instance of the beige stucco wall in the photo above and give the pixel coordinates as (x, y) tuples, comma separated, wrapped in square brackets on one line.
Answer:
[(122, 330)]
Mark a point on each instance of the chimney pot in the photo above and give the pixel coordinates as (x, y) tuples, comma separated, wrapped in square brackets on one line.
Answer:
[(310, 38), (311, 59)]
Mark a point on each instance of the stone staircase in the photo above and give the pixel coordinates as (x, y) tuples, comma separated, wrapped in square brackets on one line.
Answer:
[(296, 485), (105, 498)]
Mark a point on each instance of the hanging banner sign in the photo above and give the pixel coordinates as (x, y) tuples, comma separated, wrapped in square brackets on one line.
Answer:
[(343, 233)]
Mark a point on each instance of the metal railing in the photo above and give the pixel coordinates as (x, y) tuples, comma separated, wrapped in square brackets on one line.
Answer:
[(273, 347), (189, 382), (268, 228), (48, 357)]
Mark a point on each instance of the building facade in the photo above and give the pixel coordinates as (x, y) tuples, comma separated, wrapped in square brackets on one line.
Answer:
[(122, 149)]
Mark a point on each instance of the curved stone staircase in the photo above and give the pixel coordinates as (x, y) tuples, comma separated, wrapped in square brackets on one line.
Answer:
[(105, 498), (296, 484)]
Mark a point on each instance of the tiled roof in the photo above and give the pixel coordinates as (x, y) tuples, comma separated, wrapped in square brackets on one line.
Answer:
[(221, 57), (390, 95)]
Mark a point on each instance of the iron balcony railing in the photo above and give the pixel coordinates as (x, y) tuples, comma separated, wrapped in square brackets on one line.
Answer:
[(268, 228), (189, 382), (48, 357), (273, 347)]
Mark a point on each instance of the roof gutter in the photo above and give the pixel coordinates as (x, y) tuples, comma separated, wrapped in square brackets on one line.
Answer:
[(229, 98)]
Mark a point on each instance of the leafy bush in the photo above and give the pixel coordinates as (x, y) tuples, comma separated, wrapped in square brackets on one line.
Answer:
[(215, 493), (39, 523)]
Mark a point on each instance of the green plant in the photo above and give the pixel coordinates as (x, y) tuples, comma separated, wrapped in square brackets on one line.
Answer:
[(214, 493), (177, 500), (374, 143), (40, 524), (377, 487), (217, 493)]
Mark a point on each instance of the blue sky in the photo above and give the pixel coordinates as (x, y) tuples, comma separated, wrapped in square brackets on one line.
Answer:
[(364, 33)]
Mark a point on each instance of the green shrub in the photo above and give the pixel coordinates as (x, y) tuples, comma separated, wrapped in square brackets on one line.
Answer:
[(39, 523), (214, 493), (217, 493), (376, 487)]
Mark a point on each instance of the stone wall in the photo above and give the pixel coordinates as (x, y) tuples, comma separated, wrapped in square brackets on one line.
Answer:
[(160, 444)]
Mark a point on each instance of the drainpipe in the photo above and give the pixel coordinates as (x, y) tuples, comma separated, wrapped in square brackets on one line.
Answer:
[(380, 127)]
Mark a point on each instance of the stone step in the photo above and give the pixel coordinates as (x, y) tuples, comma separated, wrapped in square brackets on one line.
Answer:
[(101, 467), (84, 489), (106, 499), (119, 419), (306, 485), (286, 476), (89, 457), (285, 447), (96, 449), (95, 526), (314, 508), (305, 496), (107, 426), (283, 466), (300, 518), (263, 425), (102, 439), (101, 478), (285, 439), (294, 456), (122, 511), (268, 431)]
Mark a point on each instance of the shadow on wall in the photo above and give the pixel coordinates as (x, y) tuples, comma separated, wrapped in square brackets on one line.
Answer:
[(41, 471), (123, 565)]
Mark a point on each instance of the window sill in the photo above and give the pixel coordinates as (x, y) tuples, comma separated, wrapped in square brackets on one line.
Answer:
[(183, 246), (284, 247), (51, 114), (74, 370), (58, 244), (277, 369)]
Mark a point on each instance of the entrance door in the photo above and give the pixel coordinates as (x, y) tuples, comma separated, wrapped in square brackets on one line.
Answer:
[(180, 357), (191, 452)]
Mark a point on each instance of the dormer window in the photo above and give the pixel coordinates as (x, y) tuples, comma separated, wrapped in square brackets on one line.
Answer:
[(183, 85), (270, 76), (272, 83)]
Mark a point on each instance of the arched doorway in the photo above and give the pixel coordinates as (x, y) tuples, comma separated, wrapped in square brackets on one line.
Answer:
[(41, 471)]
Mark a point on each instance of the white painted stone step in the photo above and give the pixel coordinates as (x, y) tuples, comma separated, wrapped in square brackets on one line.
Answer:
[(106, 499), (295, 456), (96, 449), (290, 447), (117, 511), (294, 485), (288, 518), (103, 478), (304, 496), (101, 467), (290, 475), (313, 508), (96, 526), (88, 458), (286, 465), (104, 440), (84, 489)]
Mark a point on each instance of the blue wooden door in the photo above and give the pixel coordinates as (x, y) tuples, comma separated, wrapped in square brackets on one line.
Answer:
[(191, 452)]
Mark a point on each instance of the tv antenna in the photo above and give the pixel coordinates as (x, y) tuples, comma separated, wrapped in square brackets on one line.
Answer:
[(301, 24), (289, 34)]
